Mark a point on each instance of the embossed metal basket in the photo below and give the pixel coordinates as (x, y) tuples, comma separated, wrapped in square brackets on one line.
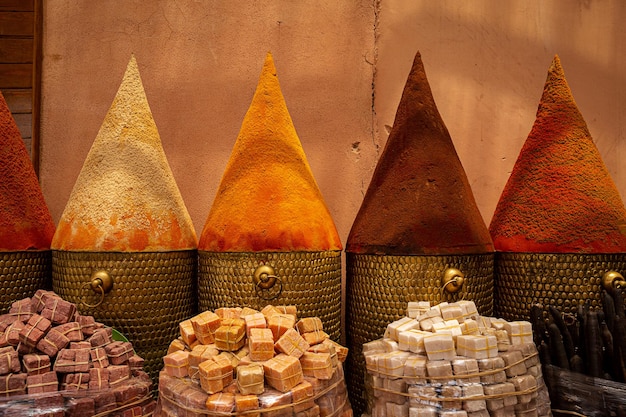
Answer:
[(144, 295), (564, 280), (380, 286), (309, 280), (22, 273)]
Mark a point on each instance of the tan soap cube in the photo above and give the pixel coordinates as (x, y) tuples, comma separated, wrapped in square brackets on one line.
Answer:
[(422, 395), (341, 351), (255, 321), (175, 345), (250, 379), (427, 322), (391, 364), (317, 365), (477, 347), (469, 326), (204, 325), (424, 411), (492, 370), (280, 323), (466, 366), (309, 324), (415, 369), (415, 309), (397, 410), (177, 363), (452, 395), (313, 338), (439, 372), (283, 372), (474, 390), (325, 348), (288, 309), (302, 396), (452, 312), (413, 340), (469, 309), (439, 347), (199, 354), (231, 334), (514, 363), (403, 324), (244, 403), (520, 332), (269, 311), (222, 402), (187, 333), (292, 344), (246, 311), (524, 384), (229, 312), (261, 344), (215, 374)]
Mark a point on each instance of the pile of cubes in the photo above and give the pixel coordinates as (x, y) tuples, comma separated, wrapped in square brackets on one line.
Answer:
[(57, 362), (447, 360), (240, 360)]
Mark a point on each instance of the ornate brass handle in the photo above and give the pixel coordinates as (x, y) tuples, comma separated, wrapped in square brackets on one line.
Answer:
[(265, 281), (101, 282), (452, 280), (613, 279)]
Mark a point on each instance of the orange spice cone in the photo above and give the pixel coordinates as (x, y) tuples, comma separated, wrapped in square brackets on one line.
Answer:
[(560, 223), (26, 226), (418, 231), (269, 219), (125, 250)]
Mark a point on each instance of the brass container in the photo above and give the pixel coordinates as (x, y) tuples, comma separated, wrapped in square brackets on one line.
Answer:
[(564, 280), (379, 288), (309, 280), (143, 295), (21, 274)]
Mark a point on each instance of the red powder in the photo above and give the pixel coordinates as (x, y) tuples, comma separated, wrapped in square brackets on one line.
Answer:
[(419, 200), (560, 197), (25, 221)]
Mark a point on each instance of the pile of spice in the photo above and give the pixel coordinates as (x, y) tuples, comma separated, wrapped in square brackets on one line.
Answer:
[(235, 361), (447, 360), (61, 363)]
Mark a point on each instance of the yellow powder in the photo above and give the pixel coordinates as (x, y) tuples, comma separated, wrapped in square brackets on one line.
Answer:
[(125, 197)]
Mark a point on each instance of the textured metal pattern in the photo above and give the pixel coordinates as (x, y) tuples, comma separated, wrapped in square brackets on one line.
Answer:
[(563, 280), (21, 274), (310, 280), (379, 288), (152, 293)]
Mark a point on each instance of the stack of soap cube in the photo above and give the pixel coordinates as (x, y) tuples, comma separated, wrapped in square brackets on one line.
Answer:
[(447, 360), (244, 361), (55, 361)]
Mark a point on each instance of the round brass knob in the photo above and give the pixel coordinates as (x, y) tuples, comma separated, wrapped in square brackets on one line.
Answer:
[(264, 277), (101, 283), (452, 280), (613, 279)]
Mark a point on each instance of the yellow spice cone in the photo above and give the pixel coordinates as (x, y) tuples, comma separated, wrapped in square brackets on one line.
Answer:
[(125, 198), (268, 199)]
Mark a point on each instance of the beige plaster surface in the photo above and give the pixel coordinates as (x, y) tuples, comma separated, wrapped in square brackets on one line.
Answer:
[(200, 63), (486, 61)]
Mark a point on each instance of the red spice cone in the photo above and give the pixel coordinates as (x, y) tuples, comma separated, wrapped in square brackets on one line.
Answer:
[(25, 221), (419, 201), (560, 197)]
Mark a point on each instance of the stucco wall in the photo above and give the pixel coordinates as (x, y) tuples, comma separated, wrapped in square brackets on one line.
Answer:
[(486, 61)]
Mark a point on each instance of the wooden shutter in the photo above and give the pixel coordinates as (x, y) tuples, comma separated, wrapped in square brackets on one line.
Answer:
[(20, 67)]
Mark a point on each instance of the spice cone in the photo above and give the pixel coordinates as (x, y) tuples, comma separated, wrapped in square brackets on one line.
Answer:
[(560, 197)]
